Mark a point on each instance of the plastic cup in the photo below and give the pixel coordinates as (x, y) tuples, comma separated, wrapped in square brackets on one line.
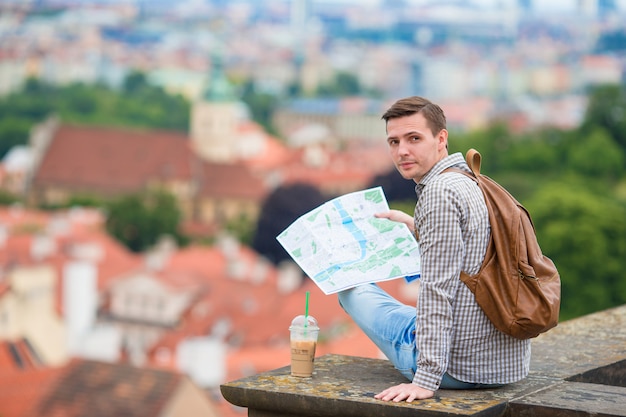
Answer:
[(303, 341)]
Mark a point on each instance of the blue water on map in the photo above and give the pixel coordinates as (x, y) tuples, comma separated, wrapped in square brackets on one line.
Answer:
[(411, 278), (346, 221)]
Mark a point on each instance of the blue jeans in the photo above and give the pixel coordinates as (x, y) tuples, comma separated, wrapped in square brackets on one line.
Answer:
[(391, 326)]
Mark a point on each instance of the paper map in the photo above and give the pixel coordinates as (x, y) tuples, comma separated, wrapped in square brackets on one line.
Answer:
[(340, 244)]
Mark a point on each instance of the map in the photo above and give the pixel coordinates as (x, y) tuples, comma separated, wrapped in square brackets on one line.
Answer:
[(340, 244)]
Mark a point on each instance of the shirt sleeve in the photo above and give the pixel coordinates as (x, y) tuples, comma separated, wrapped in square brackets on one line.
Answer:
[(438, 217)]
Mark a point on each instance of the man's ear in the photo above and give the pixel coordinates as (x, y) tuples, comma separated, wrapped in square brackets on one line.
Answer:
[(442, 137)]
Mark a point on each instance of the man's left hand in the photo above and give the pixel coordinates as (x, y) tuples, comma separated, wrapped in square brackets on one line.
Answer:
[(408, 392)]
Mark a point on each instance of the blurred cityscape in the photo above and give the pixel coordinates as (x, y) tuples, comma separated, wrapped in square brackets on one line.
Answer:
[(480, 58), (81, 313)]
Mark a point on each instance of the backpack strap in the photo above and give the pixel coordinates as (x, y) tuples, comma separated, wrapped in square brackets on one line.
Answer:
[(472, 157)]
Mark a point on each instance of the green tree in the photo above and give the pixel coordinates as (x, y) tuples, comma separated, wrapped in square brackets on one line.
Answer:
[(596, 154), (36, 87), (134, 82), (243, 228), (28, 106), (13, 132), (492, 143), (138, 105), (81, 99), (570, 181), (343, 84), (139, 220), (537, 152), (607, 109), (584, 232), (261, 105), (7, 198)]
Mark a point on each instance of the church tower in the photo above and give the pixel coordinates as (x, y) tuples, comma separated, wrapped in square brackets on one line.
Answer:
[(215, 116)]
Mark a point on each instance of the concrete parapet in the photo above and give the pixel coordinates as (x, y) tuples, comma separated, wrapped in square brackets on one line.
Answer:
[(577, 369)]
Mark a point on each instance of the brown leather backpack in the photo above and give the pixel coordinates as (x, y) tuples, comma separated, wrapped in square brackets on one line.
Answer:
[(518, 288)]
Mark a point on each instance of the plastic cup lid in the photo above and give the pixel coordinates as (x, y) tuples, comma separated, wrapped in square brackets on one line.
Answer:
[(299, 321)]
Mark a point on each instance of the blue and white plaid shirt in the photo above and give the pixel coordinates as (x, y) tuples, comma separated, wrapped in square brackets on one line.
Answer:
[(452, 333)]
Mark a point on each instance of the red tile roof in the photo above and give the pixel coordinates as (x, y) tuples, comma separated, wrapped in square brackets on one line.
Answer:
[(20, 390), (113, 160), (236, 291), (4, 288), (231, 181), (17, 355), (96, 389), (16, 251), (116, 161), (273, 154), (84, 387), (22, 377)]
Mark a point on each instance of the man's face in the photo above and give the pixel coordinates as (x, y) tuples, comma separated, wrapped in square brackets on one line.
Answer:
[(413, 147)]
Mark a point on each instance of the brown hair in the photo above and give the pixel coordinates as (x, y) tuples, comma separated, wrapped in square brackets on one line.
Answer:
[(433, 114)]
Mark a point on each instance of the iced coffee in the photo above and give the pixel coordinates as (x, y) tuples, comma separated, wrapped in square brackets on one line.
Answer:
[(303, 341)]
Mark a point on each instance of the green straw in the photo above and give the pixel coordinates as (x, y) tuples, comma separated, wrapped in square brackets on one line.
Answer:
[(306, 308), (306, 313)]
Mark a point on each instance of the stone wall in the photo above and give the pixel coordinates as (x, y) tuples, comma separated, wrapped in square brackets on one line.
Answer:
[(577, 369)]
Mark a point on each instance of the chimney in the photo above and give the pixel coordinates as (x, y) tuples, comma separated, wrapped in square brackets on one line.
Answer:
[(228, 245), (290, 277), (260, 271), (42, 246), (80, 301), (236, 266), (4, 235), (203, 359), (157, 258)]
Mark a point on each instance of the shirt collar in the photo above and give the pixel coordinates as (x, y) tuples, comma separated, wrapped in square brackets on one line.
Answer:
[(447, 162)]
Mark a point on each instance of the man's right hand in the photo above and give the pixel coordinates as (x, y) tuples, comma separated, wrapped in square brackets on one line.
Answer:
[(398, 216), (405, 392)]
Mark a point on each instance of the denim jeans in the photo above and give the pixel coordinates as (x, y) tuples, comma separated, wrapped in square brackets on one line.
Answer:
[(391, 326)]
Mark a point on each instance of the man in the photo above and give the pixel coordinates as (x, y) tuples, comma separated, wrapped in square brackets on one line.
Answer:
[(446, 341)]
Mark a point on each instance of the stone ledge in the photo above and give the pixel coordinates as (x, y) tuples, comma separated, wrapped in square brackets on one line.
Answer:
[(571, 399), (561, 382)]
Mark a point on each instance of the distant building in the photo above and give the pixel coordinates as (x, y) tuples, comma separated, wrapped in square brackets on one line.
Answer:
[(215, 119), (28, 312), (346, 119), (109, 162)]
